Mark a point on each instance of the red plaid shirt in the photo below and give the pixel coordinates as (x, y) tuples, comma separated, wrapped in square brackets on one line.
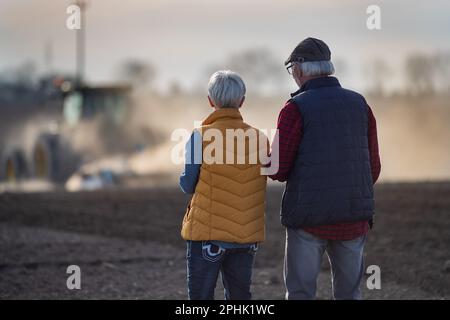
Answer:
[(289, 137)]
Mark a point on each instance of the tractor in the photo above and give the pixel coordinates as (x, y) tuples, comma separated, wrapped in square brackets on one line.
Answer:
[(37, 126)]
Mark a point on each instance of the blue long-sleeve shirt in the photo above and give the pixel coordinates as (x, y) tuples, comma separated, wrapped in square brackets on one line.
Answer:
[(193, 162), (189, 178)]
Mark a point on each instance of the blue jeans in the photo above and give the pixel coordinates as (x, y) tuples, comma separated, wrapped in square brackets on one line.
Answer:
[(303, 260), (204, 262)]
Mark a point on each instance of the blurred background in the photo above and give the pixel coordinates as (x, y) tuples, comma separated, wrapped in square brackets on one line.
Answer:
[(92, 111), (116, 89)]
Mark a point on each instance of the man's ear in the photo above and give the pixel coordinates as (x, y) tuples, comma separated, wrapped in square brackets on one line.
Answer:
[(242, 101), (211, 103), (297, 72)]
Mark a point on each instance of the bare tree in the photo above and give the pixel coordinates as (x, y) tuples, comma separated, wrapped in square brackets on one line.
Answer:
[(443, 71), (261, 71), (378, 71), (420, 72), (23, 75), (341, 67), (175, 88), (138, 73)]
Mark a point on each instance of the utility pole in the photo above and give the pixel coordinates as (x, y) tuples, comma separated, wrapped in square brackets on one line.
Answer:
[(48, 57), (80, 43)]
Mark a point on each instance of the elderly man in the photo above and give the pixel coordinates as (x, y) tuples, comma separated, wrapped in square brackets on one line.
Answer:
[(224, 221), (329, 159)]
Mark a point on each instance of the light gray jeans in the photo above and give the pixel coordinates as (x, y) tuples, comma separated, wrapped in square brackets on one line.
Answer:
[(303, 260)]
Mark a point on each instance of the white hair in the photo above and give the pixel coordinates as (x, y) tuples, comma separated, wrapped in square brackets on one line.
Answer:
[(315, 68), (226, 89)]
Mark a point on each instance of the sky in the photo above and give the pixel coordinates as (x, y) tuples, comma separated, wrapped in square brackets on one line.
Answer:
[(181, 38)]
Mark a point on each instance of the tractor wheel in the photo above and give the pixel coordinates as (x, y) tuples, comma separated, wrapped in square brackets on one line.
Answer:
[(52, 158), (14, 166)]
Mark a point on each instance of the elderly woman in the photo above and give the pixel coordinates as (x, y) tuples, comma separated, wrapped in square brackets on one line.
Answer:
[(224, 221)]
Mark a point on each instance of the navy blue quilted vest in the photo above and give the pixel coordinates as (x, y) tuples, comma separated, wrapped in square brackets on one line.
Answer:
[(331, 180)]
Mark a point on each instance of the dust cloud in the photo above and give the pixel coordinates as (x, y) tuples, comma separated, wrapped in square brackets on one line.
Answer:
[(413, 133)]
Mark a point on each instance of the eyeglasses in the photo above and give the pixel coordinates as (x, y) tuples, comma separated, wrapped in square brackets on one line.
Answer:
[(289, 68)]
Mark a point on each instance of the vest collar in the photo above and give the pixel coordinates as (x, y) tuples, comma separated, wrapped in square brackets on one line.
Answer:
[(222, 114), (316, 83)]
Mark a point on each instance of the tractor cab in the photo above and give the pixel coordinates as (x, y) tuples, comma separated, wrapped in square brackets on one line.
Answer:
[(89, 102), (53, 156)]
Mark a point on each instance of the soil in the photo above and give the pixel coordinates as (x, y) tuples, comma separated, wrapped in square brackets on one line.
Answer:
[(127, 243)]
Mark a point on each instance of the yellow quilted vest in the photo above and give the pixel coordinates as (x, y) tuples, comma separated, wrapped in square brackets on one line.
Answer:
[(229, 199)]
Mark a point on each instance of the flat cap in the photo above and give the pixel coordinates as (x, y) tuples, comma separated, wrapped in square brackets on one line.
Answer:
[(310, 49)]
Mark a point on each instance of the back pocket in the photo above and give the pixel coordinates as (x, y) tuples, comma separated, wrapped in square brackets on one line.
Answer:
[(212, 252)]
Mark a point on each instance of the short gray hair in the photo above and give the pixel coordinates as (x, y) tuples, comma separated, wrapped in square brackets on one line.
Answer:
[(315, 68), (226, 89)]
